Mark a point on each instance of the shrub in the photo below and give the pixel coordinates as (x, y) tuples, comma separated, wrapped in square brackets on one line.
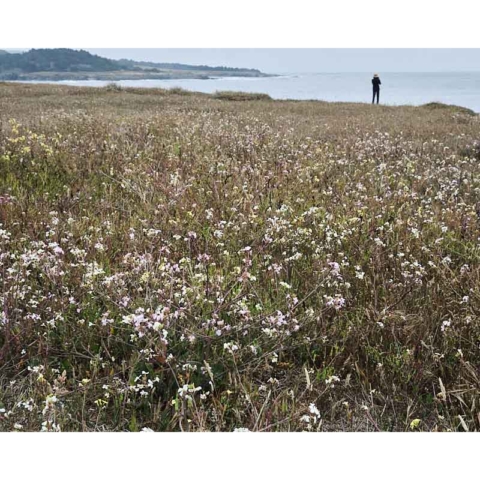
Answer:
[(113, 87), (451, 108), (240, 96)]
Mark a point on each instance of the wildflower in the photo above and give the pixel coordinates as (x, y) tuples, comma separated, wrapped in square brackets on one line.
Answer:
[(57, 249), (124, 302), (331, 379), (445, 325), (335, 269), (337, 302), (447, 260), (186, 389), (5, 199), (414, 423), (50, 427), (314, 410), (50, 401), (358, 273), (230, 347), (464, 269), (415, 232)]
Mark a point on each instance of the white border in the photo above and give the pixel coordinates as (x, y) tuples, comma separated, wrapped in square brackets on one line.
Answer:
[(240, 23), (239, 455)]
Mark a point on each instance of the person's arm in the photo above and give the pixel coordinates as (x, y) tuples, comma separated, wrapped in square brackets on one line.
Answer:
[(379, 82)]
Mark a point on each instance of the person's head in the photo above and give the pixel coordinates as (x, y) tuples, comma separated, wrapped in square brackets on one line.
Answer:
[(375, 75)]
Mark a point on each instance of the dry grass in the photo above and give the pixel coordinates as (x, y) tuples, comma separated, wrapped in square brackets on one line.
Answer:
[(182, 262)]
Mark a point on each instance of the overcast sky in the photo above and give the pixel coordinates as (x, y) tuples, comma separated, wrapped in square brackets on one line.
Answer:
[(310, 60)]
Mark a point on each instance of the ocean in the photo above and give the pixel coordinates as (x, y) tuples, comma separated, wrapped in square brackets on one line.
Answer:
[(461, 89)]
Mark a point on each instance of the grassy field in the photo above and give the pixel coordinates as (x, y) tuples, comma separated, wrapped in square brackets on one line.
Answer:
[(175, 261)]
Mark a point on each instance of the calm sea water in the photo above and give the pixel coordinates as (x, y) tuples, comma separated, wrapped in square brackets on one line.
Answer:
[(397, 88)]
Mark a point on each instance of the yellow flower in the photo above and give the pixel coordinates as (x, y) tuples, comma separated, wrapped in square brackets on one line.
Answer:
[(414, 423)]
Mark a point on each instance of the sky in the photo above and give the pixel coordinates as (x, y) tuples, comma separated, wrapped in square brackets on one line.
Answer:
[(304, 60)]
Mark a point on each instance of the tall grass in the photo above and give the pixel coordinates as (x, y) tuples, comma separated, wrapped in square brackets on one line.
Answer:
[(173, 262)]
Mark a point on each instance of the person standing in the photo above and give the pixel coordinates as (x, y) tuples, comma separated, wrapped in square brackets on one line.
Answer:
[(376, 87)]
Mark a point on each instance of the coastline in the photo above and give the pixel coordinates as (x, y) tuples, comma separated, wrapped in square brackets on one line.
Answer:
[(130, 75)]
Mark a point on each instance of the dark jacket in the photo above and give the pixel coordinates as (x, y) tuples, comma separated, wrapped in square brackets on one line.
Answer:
[(376, 83)]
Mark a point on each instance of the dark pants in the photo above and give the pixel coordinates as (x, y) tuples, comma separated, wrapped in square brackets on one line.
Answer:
[(376, 91)]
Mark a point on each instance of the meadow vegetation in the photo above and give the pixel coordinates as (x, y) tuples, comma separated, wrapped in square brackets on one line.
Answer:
[(183, 262)]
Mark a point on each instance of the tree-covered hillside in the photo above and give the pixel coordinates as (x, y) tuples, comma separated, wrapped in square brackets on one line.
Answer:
[(58, 60), (181, 66), (68, 64)]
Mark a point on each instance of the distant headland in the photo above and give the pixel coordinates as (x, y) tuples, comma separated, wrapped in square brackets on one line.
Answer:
[(68, 64)]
